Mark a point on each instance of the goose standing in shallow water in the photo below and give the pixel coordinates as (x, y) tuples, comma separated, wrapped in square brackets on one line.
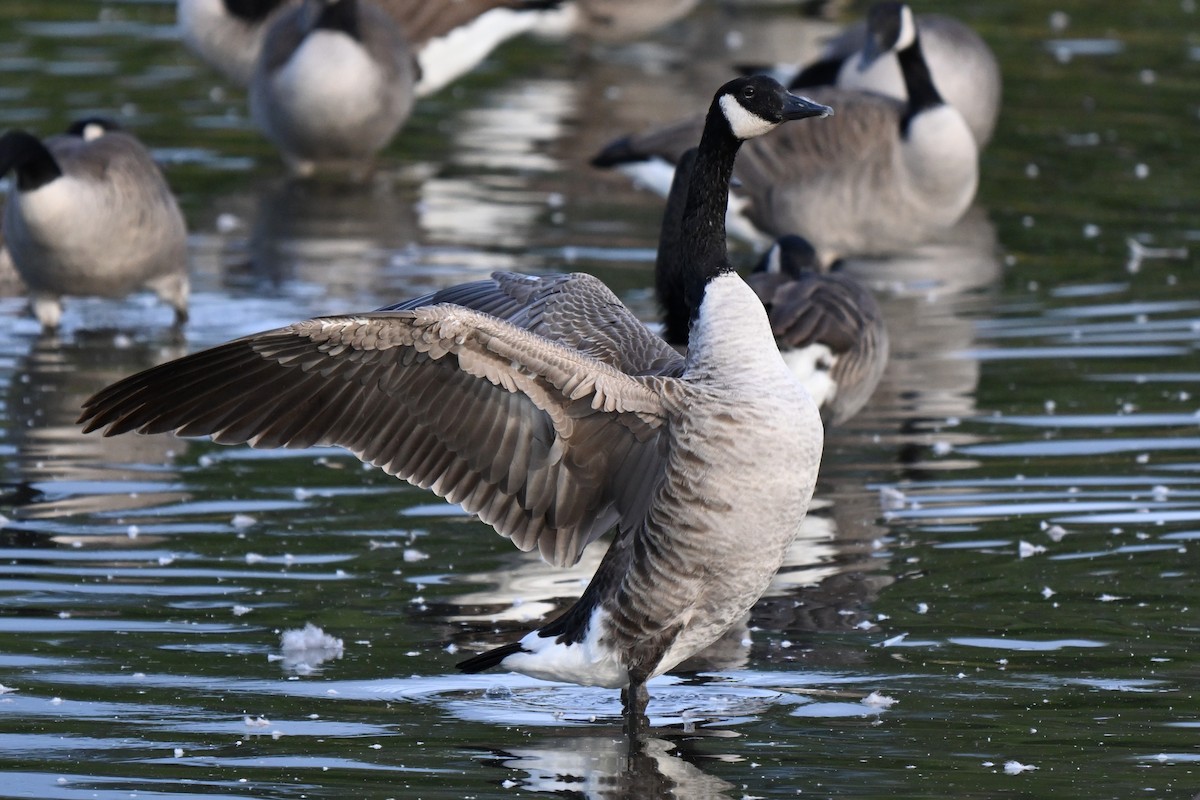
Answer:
[(880, 177), (829, 328), (546, 408), (448, 37), (333, 85), (91, 214)]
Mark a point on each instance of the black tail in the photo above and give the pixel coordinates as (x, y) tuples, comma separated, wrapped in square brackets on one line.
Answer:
[(489, 659), (619, 152)]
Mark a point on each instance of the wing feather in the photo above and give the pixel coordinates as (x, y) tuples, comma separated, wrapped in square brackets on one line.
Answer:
[(549, 444)]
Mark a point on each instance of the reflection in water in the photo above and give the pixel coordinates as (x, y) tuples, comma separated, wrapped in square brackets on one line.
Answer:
[(613, 768), (44, 396), (339, 236), (929, 300)]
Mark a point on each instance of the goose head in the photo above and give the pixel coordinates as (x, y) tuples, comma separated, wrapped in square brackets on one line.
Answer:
[(92, 128), (891, 28), (29, 158), (758, 104), (791, 256), (339, 16), (252, 10)]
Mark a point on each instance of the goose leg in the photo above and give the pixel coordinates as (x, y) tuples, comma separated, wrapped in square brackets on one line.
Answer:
[(634, 698)]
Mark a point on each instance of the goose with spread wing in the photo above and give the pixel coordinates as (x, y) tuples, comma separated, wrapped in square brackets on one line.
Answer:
[(542, 405)]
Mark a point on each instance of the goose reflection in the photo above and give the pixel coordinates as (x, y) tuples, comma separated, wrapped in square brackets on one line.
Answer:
[(929, 298), (339, 236), (89, 476), (614, 768)]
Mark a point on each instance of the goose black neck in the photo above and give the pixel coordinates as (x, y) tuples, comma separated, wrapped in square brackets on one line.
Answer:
[(340, 15), (669, 264), (918, 82), (33, 162), (252, 10), (703, 238)]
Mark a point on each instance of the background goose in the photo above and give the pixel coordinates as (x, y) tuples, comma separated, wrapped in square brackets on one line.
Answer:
[(828, 327), (333, 84), (878, 178), (553, 425), (964, 68), (91, 214), (449, 38)]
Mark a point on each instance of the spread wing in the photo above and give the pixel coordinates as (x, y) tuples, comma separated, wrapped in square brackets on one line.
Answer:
[(548, 445), (576, 310)]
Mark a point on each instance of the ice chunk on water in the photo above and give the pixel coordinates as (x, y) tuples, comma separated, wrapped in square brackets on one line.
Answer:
[(305, 649), (1026, 549), (1014, 767), (877, 700)]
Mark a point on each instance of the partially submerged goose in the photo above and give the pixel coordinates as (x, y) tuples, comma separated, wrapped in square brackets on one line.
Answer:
[(963, 67), (546, 408), (448, 38), (91, 214), (828, 327), (878, 178), (333, 85)]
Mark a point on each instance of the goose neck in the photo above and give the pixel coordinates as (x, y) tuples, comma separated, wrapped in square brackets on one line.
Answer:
[(918, 82), (703, 236)]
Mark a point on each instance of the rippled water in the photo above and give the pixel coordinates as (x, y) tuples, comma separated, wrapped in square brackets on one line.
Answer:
[(997, 594)]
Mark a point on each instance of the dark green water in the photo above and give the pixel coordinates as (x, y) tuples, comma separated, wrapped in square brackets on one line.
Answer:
[(1004, 540)]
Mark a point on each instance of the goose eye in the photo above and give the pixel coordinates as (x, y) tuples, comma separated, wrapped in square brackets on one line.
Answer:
[(748, 92)]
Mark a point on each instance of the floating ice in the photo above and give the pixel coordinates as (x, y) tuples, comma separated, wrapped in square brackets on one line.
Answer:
[(877, 700), (1026, 549), (1016, 767), (891, 498)]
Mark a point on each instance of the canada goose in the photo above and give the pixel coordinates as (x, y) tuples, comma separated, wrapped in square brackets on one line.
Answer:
[(551, 412), (448, 38), (91, 214), (880, 177), (333, 84), (829, 328), (964, 68)]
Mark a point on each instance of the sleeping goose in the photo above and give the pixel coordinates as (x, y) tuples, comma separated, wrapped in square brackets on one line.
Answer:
[(333, 84), (879, 178), (828, 327), (542, 405), (448, 38), (964, 68), (91, 214)]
